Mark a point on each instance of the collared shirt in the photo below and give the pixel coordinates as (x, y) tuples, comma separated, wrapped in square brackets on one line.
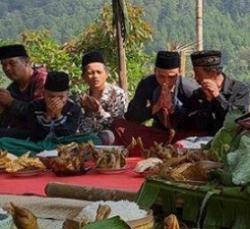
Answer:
[(209, 115), (147, 93), (113, 104)]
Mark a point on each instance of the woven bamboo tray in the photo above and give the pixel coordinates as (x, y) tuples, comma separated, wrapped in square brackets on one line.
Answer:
[(144, 223)]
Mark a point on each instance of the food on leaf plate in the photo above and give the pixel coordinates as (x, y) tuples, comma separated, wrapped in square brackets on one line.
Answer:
[(178, 164)]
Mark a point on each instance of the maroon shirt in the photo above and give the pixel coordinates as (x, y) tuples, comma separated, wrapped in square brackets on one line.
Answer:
[(34, 90)]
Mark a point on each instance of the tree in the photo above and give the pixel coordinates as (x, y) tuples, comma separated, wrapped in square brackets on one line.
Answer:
[(44, 49), (100, 36)]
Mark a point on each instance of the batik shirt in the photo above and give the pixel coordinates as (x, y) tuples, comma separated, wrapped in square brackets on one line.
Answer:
[(113, 104)]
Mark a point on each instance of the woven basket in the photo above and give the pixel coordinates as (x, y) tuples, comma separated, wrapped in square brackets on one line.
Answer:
[(144, 223)]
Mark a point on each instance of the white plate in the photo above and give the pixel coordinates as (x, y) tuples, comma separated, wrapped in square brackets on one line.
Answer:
[(28, 172), (48, 153)]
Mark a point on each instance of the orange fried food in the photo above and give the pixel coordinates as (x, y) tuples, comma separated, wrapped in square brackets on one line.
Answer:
[(24, 162)]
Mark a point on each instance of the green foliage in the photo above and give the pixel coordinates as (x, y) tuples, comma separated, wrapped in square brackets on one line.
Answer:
[(227, 138), (65, 18), (114, 222), (240, 67), (226, 27), (3, 80), (43, 49), (239, 160), (100, 36)]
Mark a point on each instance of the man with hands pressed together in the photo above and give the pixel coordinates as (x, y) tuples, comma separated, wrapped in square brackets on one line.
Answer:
[(217, 95), (103, 102), (161, 97)]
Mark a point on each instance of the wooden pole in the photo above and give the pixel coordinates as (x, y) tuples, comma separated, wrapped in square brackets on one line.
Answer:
[(121, 50), (183, 63), (199, 25)]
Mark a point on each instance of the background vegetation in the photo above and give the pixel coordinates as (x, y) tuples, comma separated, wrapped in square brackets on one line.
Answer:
[(62, 30)]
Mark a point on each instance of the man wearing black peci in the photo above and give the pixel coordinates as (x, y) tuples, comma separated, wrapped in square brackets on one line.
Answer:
[(162, 97), (217, 94)]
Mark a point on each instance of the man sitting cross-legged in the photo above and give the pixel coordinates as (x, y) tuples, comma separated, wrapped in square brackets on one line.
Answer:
[(27, 84)]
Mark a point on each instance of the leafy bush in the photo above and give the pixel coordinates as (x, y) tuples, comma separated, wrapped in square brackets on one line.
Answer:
[(100, 36)]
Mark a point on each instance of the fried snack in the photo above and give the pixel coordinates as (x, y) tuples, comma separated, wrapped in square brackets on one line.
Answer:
[(67, 165), (103, 212), (24, 162), (71, 159), (199, 171), (187, 165), (171, 222), (75, 148), (190, 171), (110, 159), (176, 173), (23, 218), (4, 159)]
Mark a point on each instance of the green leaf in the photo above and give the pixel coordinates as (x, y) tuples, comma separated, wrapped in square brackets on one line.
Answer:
[(114, 223)]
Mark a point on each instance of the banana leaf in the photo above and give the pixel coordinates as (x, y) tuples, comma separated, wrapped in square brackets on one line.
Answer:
[(227, 207), (239, 162), (227, 138), (114, 223)]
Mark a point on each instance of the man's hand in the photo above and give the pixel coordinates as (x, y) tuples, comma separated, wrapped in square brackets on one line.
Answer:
[(5, 98), (210, 88), (89, 103), (54, 108), (165, 118), (164, 101)]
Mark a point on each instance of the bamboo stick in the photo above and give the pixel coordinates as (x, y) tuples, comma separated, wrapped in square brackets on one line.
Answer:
[(86, 193), (199, 25)]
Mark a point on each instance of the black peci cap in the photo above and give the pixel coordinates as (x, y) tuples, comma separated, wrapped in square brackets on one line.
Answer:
[(57, 81), (206, 58), (10, 51), (92, 57), (167, 60)]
